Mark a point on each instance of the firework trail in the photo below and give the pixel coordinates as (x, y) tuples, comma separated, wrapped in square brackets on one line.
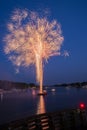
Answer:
[(32, 39)]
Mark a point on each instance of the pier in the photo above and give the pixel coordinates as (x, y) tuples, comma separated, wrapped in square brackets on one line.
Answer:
[(72, 119)]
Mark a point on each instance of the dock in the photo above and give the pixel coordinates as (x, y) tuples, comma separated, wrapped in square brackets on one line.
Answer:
[(70, 119)]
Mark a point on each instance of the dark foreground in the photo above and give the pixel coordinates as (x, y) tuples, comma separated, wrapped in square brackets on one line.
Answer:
[(75, 119)]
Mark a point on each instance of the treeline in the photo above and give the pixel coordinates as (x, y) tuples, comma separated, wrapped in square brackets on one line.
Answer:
[(76, 84), (7, 85)]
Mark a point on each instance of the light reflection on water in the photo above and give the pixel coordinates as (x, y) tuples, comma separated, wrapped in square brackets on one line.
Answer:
[(1, 96), (17, 104), (41, 105)]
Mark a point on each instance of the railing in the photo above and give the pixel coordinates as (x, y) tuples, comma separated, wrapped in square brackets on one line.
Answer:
[(75, 119)]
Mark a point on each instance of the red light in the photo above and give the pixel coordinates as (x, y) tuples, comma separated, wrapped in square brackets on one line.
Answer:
[(82, 105)]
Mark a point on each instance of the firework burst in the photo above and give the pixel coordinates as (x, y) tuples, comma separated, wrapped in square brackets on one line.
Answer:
[(32, 39)]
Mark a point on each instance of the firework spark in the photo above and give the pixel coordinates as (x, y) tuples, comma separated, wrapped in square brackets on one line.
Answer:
[(32, 39)]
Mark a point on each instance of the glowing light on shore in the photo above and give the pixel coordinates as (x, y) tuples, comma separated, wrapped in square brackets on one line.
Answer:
[(32, 39), (82, 105)]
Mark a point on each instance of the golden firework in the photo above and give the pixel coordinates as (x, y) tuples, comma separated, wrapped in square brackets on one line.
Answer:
[(31, 40)]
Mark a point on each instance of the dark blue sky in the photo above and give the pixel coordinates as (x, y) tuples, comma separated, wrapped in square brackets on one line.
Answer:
[(72, 14)]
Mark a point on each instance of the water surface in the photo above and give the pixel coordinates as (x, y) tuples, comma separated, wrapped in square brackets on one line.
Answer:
[(17, 104)]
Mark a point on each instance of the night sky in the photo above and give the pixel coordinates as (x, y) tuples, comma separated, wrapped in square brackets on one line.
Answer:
[(72, 15)]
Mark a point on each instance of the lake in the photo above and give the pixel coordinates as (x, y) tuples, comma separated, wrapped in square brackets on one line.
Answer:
[(16, 104)]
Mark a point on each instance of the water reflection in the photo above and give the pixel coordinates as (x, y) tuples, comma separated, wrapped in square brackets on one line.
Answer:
[(33, 92), (21, 103), (1, 96), (41, 105)]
